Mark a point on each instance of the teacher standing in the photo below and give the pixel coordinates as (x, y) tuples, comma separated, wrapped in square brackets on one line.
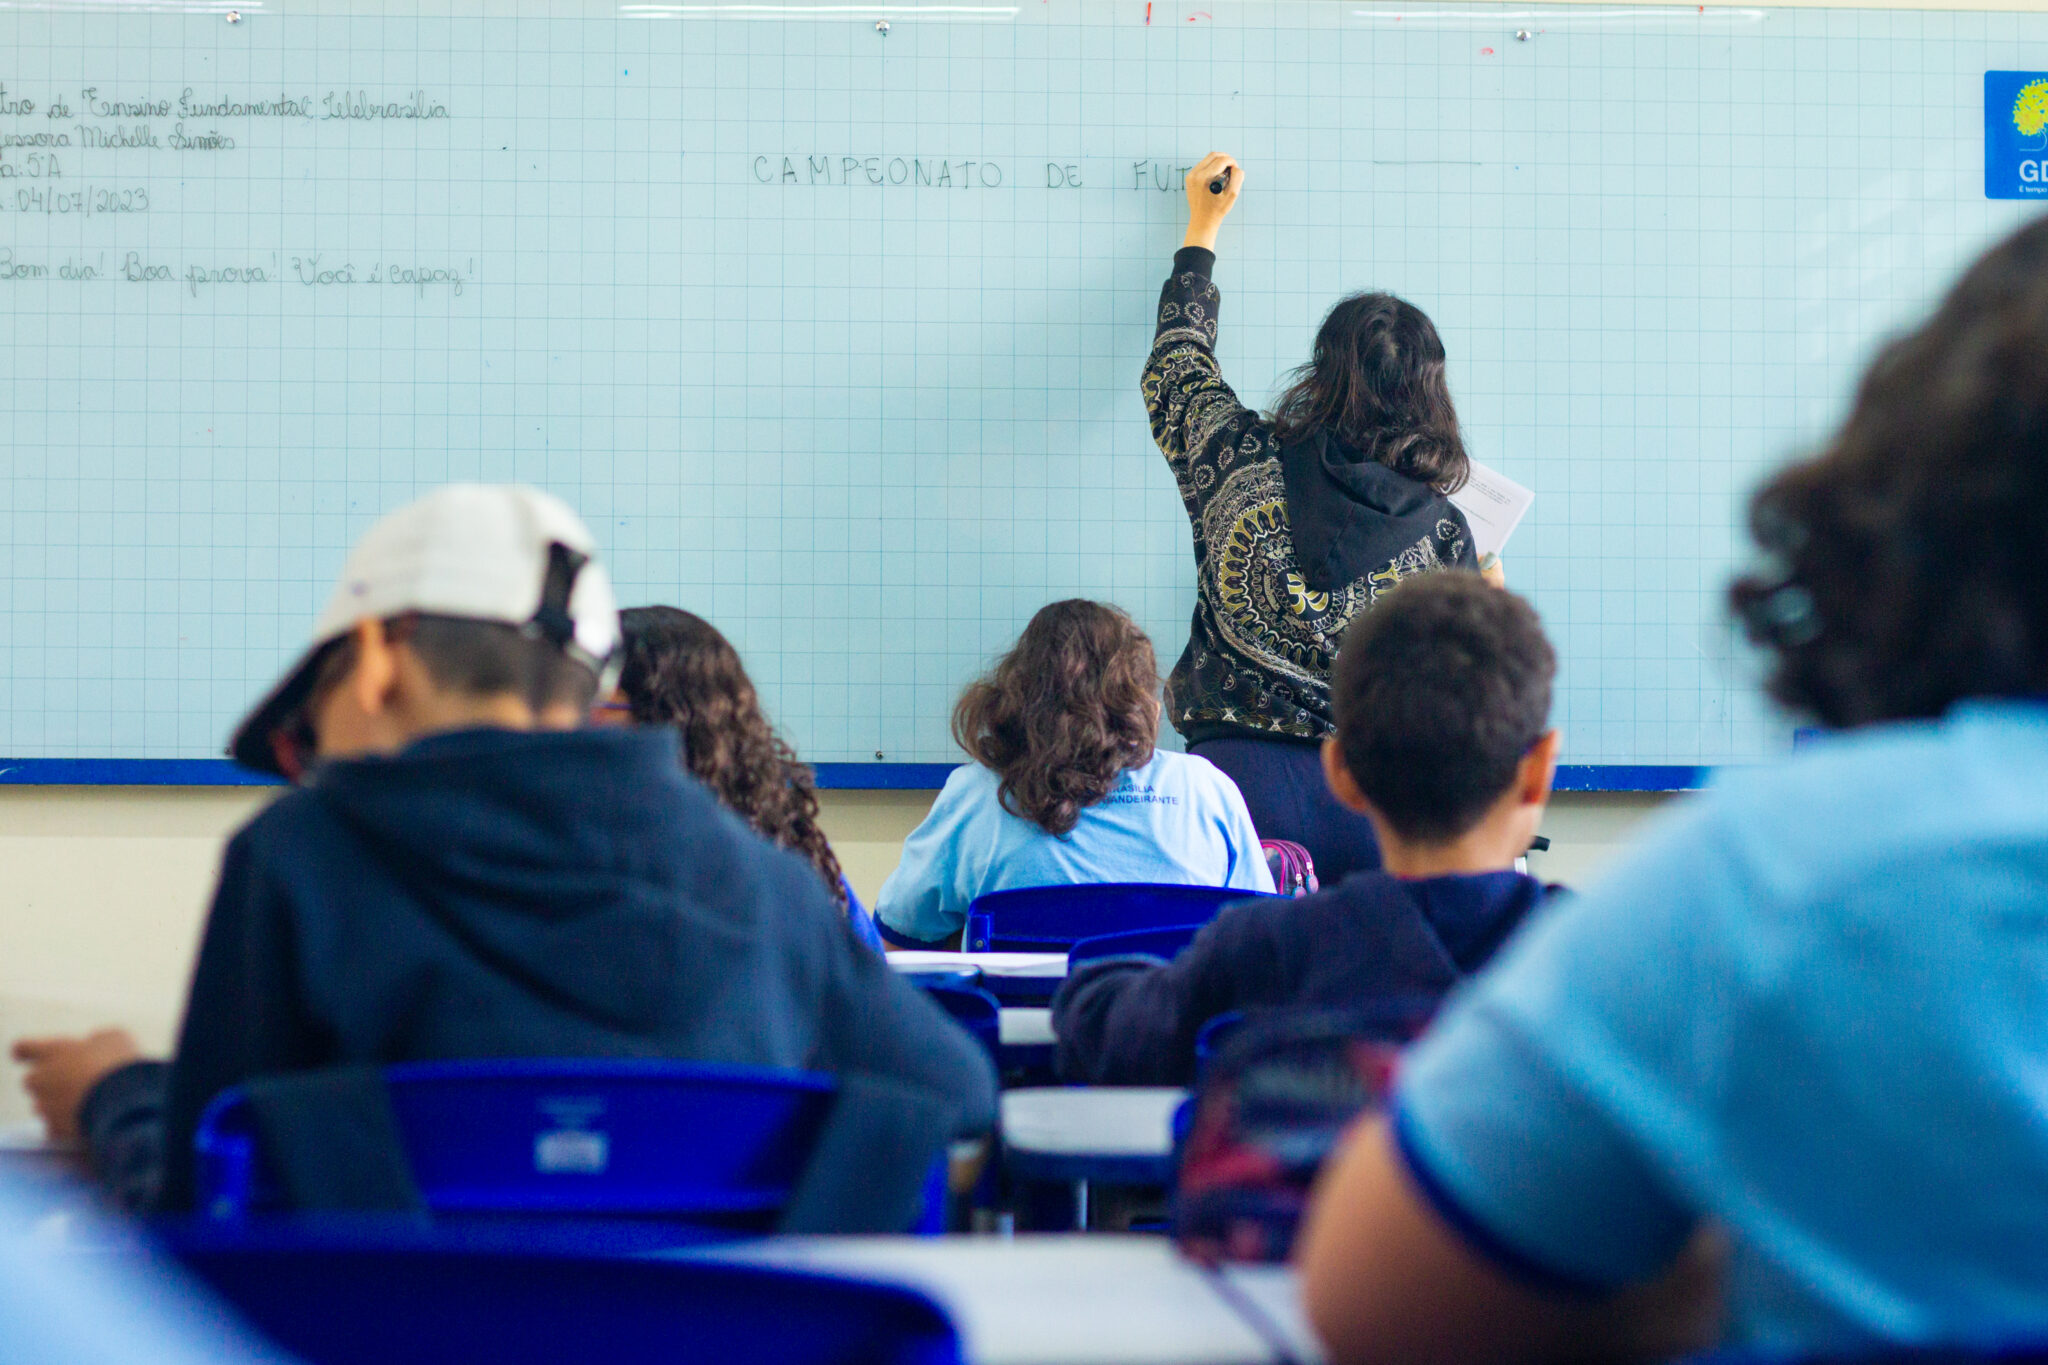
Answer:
[(1301, 519)]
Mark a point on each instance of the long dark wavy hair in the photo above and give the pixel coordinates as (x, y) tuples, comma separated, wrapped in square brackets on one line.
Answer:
[(1905, 567), (1061, 716), (1376, 382), (680, 671)]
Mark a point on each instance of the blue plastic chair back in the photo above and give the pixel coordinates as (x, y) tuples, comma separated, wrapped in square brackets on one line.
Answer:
[(2016, 1352), (1213, 1036), (926, 979), (972, 1008), (1040, 919), (332, 1302), (860, 918), (648, 1139), (1166, 942)]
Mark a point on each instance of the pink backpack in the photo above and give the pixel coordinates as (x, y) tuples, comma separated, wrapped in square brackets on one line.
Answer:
[(1294, 872)]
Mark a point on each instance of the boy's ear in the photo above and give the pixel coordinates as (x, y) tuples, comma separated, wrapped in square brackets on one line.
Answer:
[(1342, 784), (1538, 770), (376, 669)]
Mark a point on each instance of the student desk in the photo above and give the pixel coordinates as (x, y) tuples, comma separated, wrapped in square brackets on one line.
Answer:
[(1048, 1300), (1269, 1296), (1073, 1136), (1012, 978), (46, 1177), (1120, 1134), (1025, 1043), (1025, 1027)]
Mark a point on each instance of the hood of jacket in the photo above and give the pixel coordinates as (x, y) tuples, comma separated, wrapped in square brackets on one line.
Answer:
[(566, 860), (1350, 515), (1473, 914)]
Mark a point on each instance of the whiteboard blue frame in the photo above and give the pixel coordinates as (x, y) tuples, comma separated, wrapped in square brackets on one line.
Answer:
[(219, 772)]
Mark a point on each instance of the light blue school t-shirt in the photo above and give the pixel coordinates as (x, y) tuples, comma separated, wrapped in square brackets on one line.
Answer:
[(1176, 819), (1813, 1008)]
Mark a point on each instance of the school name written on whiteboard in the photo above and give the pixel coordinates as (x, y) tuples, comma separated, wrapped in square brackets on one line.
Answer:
[(63, 120), (945, 173)]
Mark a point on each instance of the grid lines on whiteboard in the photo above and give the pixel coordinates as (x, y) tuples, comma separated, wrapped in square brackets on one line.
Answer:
[(834, 335)]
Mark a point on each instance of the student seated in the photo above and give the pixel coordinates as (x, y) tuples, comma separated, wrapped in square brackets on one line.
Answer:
[(1067, 784), (1442, 699), (467, 873), (1806, 1012), (680, 671)]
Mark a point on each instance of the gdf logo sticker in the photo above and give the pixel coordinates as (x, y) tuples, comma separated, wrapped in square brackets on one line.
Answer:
[(2016, 134)]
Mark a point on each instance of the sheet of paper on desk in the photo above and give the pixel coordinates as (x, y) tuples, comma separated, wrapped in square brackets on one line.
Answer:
[(1494, 505)]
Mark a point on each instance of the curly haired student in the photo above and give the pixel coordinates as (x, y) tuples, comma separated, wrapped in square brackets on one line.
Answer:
[(1068, 784), (681, 671)]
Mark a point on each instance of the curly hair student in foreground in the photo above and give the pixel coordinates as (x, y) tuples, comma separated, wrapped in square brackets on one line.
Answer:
[(1067, 784), (1805, 1013)]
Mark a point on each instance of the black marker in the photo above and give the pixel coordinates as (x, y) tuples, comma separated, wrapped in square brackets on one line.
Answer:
[(1221, 182)]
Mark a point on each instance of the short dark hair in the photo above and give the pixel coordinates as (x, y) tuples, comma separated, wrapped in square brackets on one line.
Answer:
[(1440, 690), (491, 658), (1906, 566), (1376, 382)]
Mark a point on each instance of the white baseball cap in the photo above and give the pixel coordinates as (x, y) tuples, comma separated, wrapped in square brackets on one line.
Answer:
[(483, 552)]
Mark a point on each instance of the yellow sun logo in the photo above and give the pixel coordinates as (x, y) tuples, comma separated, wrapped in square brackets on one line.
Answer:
[(2030, 110)]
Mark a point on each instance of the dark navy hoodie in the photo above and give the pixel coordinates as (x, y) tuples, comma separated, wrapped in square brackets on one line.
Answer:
[(491, 893), (1371, 939)]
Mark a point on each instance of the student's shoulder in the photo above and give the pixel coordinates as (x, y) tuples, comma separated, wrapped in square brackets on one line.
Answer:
[(969, 779), (1891, 793), (969, 790), (286, 827)]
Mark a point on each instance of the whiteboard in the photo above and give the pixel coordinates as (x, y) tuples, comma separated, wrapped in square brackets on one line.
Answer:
[(834, 334)]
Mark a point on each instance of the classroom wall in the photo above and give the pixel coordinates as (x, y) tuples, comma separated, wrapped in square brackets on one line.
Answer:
[(102, 891)]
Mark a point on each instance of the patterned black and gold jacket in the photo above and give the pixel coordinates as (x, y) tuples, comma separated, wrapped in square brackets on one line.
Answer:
[(1266, 629)]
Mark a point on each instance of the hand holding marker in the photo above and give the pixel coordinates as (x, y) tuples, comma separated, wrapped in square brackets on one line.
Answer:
[(1212, 189)]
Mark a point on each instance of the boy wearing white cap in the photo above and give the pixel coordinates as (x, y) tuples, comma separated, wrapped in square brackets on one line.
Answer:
[(467, 873)]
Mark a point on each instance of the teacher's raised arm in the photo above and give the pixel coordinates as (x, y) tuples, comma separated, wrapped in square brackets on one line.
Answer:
[(1301, 518)]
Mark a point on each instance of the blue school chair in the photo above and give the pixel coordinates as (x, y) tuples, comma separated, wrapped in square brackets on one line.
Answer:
[(587, 1139), (972, 1008), (2015, 1352), (1043, 919), (967, 978), (348, 1298), (1164, 943), (1214, 1036), (860, 918)]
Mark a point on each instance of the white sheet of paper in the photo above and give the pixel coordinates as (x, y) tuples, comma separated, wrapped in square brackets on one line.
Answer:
[(1494, 506)]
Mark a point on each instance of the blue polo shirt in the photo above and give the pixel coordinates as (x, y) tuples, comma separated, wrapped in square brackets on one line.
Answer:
[(1812, 1008), (1176, 818)]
